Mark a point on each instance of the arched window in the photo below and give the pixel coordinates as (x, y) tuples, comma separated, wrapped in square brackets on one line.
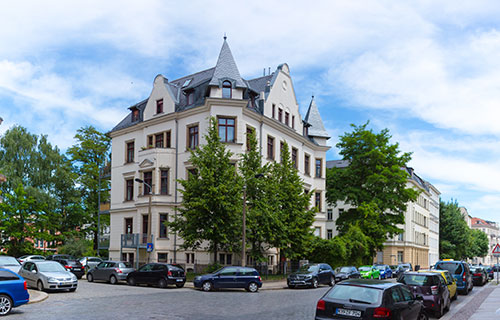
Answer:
[(226, 90)]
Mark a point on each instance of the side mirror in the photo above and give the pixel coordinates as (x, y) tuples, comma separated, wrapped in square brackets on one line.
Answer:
[(419, 298), (33, 271)]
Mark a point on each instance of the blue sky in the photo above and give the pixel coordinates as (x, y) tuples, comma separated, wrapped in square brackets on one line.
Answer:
[(429, 72)]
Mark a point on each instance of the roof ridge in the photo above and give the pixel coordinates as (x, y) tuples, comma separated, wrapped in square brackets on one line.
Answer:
[(192, 74)]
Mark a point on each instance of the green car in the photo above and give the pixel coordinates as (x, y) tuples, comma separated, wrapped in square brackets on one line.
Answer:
[(369, 272)]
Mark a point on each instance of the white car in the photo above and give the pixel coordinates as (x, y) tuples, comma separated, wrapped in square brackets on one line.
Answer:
[(48, 275), (10, 263), (30, 257)]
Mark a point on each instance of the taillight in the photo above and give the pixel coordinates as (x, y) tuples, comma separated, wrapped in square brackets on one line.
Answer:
[(67, 267), (118, 270), (169, 273), (321, 305), (477, 274), (25, 286), (381, 312), (435, 290), (260, 279), (464, 278)]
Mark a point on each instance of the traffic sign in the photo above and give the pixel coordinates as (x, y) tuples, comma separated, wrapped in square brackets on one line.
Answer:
[(149, 247), (496, 250)]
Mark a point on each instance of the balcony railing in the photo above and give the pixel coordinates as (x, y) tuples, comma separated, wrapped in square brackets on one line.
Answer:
[(135, 240)]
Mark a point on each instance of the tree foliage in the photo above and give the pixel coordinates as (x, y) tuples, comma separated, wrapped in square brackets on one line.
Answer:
[(479, 244), (454, 234), (374, 184)]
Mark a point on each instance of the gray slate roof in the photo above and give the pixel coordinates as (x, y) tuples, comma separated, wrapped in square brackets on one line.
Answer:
[(226, 69), (313, 118)]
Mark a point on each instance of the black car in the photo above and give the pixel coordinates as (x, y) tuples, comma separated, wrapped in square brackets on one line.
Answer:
[(230, 277), (344, 273), (369, 299), (479, 276), (160, 274), (70, 263), (312, 275)]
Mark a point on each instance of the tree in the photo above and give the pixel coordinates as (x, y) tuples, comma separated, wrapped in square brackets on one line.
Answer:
[(454, 234), (479, 244), (88, 155), (331, 251), (291, 203), (212, 198), (374, 184)]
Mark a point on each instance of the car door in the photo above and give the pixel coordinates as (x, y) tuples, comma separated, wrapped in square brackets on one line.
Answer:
[(159, 271), (444, 289), (27, 274), (226, 278), (399, 306), (354, 273), (144, 273), (108, 270), (412, 310), (98, 271), (323, 274)]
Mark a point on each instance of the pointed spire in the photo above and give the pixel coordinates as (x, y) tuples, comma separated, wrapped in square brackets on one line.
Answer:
[(226, 68), (313, 118)]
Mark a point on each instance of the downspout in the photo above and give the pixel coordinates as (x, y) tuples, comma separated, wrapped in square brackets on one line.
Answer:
[(176, 176)]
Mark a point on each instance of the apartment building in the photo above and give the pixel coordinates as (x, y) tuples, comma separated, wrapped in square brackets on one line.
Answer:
[(153, 142), (492, 231)]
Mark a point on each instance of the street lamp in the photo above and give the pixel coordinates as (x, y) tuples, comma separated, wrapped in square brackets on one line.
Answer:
[(244, 218), (148, 234)]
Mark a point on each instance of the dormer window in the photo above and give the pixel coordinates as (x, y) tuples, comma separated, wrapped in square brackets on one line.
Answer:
[(226, 90), (190, 98), (159, 106), (135, 115)]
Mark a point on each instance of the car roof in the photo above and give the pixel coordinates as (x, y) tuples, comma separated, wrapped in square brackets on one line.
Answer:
[(425, 273), (379, 284)]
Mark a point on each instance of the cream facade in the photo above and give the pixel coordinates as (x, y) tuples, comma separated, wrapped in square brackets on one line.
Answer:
[(152, 144), (492, 231)]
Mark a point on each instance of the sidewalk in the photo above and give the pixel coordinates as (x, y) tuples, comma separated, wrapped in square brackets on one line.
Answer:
[(490, 308), (266, 285), (37, 296)]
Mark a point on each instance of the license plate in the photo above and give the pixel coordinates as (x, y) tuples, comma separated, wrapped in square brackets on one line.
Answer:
[(76, 269), (346, 312), (179, 280)]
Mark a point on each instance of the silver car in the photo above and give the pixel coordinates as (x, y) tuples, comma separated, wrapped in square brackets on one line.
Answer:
[(30, 258), (10, 263), (89, 262), (48, 275), (112, 271)]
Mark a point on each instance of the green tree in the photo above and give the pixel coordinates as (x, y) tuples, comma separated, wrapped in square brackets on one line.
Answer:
[(479, 244), (331, 251), (262, 222), (88, 155), (454, 234), (77, 247), (212, 198), (291, 203), (374, 184)]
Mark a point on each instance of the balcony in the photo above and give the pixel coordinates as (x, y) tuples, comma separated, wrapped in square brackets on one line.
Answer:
[(135, 240), (103, 242)]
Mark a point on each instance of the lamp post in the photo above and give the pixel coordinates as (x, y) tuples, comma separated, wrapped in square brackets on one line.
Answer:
[(244, 220), (148, 234)]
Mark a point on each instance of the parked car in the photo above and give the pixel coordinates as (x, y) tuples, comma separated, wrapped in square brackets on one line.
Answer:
[(385, 271), (111, 271), (479, 276), (48, 275), (432, 287), (348, 272), (369, 299), (161, 274), (369, 272), (74, 266), (89, 262), (11, 263), (31, 257), (450, 281), (13, 291), (460, 271), (58, 257), (490, 272), (312, 275), (230, 277), (405, 266)]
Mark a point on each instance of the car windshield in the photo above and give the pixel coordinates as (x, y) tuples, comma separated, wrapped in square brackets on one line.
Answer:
[(453, 268), (355, 294), (50, 267), (380, 267), (9, 261), (418, 280), (365, 268), (309, 268), (345, 269)]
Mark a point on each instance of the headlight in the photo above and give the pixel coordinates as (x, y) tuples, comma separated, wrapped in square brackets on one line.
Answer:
[(74, 278), (308, 276), (51, 279)]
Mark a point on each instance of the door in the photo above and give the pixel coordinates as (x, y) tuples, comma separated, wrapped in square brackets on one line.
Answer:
[(324, 274), (129, 226), (158, 272), (108, 270), (411, 311), (98, 271), (226, 278), (144, 274), (27, 274)]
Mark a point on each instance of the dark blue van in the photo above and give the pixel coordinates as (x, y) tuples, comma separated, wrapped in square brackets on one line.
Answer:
[(230, 277), (13, 291), (460, 271)]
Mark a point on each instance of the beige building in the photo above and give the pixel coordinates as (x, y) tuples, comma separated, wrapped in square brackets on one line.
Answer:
[(492, 231), (152, 144), (419, 243)]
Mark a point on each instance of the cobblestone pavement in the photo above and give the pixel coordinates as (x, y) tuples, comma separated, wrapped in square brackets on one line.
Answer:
[(465, 306)]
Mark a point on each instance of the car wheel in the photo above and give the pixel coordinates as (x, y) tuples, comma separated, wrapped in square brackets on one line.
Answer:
[(179, 285), (455, 296), (131, 281), (113, 279), (207, 286), (90, 277), (72, 290), (162, 283), (39, 285), (5, 305), (291, 286), (314, 283), (252, 287), (332, 281), (423, 315)]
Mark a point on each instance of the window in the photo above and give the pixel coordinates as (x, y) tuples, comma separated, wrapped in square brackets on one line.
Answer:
[(148, 181), (282, 146), (317, 231), (159, 140), (318, 168), (307, 166), (150, 141), (168, 135), (189, 98), (225, 258), (294, 158), (164, 181), (341, 211), (250, 131), (130, 152), (145, 226), (329, 213), (274, 111), (400, 256), (317, 200), (329, 233), (163, 228), (129, 193), (293, 122), (189, 257), (228, 272), (129, 229), (162, 257), (226, 129), (159, 106), (226, 90), (193, 137), (287, 118), (270, 148), (135, 115), (280, 115), (400, 237)]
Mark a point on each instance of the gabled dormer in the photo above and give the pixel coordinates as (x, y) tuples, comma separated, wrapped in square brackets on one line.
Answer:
[(226, 81), (162, 99)]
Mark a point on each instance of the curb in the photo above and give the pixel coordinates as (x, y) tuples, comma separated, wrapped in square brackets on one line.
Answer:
[(37, 296)]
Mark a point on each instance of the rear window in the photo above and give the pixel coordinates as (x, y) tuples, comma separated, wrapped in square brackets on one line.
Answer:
[(6, 276), (175, 268), (419, 280), (355, 294), (453, 268), (9, 261), (125, 265)]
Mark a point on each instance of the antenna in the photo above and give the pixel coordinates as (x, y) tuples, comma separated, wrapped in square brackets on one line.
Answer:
[(225, 37)]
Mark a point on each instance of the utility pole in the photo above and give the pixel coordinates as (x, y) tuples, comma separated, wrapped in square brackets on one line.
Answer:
[(244, 231)]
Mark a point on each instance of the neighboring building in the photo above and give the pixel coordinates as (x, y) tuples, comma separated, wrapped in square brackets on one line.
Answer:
[(491, 229), (419, 243), (466, 216), (153, 143)]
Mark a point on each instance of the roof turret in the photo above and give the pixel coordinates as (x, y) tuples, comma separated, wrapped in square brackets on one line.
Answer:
[(226, 69), (313, 118)]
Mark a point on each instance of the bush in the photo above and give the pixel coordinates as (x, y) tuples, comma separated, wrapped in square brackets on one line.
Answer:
[(78, 248), (212, 267)]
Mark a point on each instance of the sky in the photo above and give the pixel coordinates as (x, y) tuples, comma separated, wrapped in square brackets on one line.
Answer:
[(429, 71)]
